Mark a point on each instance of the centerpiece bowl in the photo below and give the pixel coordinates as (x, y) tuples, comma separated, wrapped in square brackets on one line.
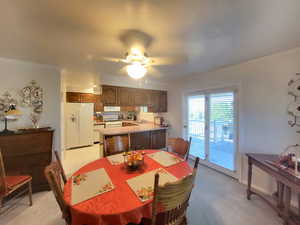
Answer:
[(133, 160)]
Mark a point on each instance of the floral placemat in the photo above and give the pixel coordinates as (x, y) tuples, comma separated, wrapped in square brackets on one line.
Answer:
[(89, 185), (143, 185), (165, 159), (116, 159)]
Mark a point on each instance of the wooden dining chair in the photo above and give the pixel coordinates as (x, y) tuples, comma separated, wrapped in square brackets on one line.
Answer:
[(63, 174), (53, 173), (173, 198), (10, 184), (180, 147), (116, 144)]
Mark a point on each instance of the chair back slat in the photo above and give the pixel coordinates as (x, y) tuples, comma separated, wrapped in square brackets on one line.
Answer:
[(180, 146), (3, 187), (116, 144), (173, 198), (172, 195), (53, 175), (63, 175)]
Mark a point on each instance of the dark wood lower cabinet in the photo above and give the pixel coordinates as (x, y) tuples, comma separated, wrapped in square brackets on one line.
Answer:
[(148, 140), (28, 153), (158, 139), (141, 140)]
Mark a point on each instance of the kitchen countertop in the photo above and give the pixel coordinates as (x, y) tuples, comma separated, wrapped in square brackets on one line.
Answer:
[(140, 127), (125, 121), (99, 123)]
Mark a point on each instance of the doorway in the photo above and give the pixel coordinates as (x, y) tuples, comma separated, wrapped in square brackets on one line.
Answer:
[(212, 124)]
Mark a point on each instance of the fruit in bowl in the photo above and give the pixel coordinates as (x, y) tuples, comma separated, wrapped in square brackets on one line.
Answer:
[(133, 160)]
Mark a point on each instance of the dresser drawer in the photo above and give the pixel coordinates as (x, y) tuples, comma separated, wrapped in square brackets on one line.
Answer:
[(28, 154), (19, 164), (25, 144)]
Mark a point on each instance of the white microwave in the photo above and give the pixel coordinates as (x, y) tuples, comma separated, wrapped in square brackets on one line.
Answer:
[(112, 108)]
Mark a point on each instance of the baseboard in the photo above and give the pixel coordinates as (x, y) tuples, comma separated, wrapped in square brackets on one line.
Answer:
[(294, 202), (260, 189)]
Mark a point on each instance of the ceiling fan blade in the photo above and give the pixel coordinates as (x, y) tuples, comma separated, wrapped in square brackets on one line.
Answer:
[(123, 70), (158, 61), (154, 72), (109, 59)]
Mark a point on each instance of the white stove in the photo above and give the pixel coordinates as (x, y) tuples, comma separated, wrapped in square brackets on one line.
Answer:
[(111, 124), (112, 120)]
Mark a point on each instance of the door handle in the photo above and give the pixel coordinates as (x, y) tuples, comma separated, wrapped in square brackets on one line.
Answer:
[(73, 118), (185, 126)]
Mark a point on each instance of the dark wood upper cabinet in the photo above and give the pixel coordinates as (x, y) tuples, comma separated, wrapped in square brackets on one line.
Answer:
[(133, 97), (98, 106), (163, 102), (154, 105), (73, 97), (87, 98), (126, 96), (110, 95), (158, 101), (77, 97), (123, 96), (140, 97)]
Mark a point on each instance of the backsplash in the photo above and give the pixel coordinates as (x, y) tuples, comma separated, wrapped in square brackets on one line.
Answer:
[(146, 116), (141, 116)]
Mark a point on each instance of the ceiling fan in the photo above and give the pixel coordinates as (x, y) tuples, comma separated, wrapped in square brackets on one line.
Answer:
[(137, 61)]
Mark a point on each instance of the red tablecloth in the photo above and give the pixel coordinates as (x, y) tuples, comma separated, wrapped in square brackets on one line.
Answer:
[(119, 206)]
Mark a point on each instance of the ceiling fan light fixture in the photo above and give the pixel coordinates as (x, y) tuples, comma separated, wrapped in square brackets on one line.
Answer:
[(135, 51), (136, 70)]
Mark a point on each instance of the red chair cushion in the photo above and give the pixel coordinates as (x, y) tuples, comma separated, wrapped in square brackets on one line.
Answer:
[(12, 181)]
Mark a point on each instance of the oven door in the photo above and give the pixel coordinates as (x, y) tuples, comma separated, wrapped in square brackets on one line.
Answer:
[(113, 124)]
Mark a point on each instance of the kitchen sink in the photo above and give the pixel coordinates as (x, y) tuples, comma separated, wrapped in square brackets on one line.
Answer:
[(128, 124)]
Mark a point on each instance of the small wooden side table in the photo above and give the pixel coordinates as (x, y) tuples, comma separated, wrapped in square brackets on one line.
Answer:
[(286, 183)]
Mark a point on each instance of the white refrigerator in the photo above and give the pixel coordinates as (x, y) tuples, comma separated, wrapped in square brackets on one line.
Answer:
[(79, 124)]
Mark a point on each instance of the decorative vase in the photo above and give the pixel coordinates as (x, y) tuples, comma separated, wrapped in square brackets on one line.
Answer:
[(291, 157), (35, 118)]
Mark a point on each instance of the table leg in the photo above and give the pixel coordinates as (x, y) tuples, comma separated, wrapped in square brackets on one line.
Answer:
[(287, 205), (280, 191), (250, 167), (0, 205), (298, 204), (280, 194)]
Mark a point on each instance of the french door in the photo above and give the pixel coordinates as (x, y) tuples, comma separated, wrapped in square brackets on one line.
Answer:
[(211, 122)]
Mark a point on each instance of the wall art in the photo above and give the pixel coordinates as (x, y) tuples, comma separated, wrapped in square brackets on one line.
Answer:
[(32, 96)]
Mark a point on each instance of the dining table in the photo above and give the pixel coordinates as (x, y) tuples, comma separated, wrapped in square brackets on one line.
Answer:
[(121, 205)]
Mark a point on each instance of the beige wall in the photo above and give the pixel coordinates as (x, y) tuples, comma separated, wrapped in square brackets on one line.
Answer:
[(262, 98), (14, 75)]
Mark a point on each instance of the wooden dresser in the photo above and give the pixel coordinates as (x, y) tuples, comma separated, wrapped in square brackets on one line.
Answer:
[(28, 152)]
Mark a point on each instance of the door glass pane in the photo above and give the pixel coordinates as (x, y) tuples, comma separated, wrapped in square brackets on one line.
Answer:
[(221, 132), (196, 125)]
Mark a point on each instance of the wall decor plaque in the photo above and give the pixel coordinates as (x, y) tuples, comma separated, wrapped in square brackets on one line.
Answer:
[(32, 96), (294, 107), (294, 86)]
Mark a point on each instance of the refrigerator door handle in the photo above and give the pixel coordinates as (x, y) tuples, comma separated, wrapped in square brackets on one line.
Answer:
[(73, 118)]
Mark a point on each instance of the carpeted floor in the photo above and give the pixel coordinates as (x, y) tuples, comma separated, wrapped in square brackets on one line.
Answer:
[(216, 200)]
